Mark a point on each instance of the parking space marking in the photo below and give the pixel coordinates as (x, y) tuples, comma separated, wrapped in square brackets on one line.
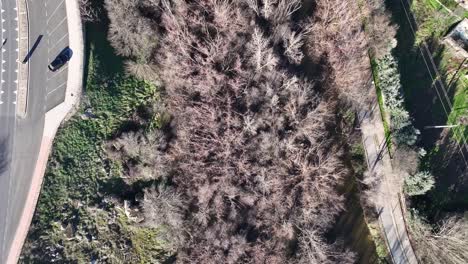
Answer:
[(55, 10), (58, 87), (58, 42), (58, 25), (55, 74)]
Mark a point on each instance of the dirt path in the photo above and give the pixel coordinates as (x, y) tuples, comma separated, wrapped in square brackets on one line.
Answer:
[(53, 120)]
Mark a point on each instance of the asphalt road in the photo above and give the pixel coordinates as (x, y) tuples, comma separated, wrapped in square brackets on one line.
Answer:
[(20, 138), (9, 79)]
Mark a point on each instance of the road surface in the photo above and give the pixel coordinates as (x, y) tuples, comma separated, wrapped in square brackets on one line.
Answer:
[(20, 138)]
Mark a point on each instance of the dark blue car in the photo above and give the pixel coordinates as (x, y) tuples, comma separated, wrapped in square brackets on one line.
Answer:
[(64, 56)]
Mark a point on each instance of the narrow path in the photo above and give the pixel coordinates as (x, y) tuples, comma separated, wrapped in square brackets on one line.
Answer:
[(391, 216)]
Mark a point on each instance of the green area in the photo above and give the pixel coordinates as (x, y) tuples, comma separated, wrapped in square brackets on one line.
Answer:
[(418, 56), (433, 20), (434, 23), (457, 83), (75, 219), (380, 99)]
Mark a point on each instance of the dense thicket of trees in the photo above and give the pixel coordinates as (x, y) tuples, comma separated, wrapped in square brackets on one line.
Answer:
[(445, 243), (252, 168)]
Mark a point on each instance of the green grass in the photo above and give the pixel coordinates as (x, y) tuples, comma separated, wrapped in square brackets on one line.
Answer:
[(460, 100), (380, 246), (375, 75), (434, 23), (433, 20), (78, 171)]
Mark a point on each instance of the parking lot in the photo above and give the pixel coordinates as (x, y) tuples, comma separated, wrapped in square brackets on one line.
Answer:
[(57, 40)]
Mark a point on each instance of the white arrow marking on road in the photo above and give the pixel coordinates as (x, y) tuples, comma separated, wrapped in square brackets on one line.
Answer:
[(3, 61), (15, 92), (14, 103), (3, 30), (1, 102)]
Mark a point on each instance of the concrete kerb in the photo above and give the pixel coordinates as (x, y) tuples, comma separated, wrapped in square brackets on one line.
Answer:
[(53, 118), (23, 68)]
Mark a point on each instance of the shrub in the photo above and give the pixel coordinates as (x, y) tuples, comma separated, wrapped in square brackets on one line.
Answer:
[(419, 183), (400, 121)]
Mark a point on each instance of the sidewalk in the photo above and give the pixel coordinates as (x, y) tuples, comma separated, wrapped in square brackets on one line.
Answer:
[(53, 119), (391, 216)]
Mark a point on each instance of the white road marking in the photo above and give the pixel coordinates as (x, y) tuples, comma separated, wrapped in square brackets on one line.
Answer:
[(56, 43), (58, 25), (51, 15), (55, 74), (58, 87)]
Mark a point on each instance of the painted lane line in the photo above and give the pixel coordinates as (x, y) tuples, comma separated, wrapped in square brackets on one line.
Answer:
[(58, 73), (53, 13), (58, 42), (58, 25), (58, 87)]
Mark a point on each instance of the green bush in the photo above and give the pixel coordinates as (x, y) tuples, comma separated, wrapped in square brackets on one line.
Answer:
[(419, 183), (400, 120)]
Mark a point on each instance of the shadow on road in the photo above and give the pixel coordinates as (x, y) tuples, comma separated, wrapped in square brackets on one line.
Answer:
[(34, 47), (4, 155)]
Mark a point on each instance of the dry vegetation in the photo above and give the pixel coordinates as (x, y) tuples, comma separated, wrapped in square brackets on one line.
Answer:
[(251, 163)]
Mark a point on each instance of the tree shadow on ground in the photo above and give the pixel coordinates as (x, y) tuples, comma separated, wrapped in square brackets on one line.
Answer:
[(4, 155), (428, 102), (118, 187), (97, 43)]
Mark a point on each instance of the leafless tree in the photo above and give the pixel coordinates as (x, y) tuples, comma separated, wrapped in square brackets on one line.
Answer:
[(87, 11), (337, 33), (447, 244), (164, 208), (131, 34), (252, 153)]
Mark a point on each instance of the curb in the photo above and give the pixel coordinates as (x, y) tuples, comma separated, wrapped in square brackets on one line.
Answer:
[(23, 68), (53, 119)]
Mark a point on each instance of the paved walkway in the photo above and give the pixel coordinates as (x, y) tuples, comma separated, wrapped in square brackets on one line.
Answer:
[(390, 217), (53, 120)]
